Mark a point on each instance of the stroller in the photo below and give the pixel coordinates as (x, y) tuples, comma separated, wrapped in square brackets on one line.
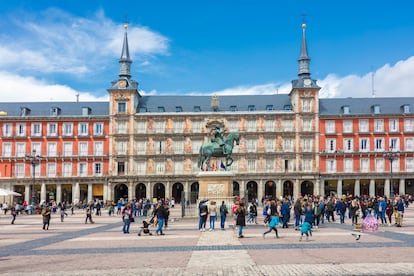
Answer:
[(145, 229)]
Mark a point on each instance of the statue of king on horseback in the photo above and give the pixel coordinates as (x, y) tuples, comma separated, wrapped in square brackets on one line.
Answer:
[(219, 146)]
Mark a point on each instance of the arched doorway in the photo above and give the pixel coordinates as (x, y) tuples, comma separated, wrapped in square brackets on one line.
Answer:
[(251, 190), (140, 191), (379, 187), (287, 188), (67, 193), (120, 191), (236, 189), (364, 188), (177, 191), (194, 192), (270, 189), (159, 191), (50, 192), (348, 187), (306, 188), (409, 186)]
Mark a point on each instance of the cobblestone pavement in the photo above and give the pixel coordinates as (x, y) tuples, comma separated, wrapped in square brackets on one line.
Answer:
[(75, 248)]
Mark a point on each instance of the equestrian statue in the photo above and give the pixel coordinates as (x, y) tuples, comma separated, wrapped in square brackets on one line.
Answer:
[(219, 146)]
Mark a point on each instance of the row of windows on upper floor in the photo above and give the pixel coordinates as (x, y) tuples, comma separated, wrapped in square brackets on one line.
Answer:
[(82, 169), (364, 125), (54, 111), (366, 166), (52, 129), (19, 149), (376, 109), (376, 144)]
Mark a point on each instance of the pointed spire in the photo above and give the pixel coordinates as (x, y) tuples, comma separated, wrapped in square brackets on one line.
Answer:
[(125, 61), (304, 59)]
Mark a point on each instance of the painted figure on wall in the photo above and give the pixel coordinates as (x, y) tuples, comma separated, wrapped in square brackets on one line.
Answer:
[(261, 144), (260, 124), (169, 166), (188, 146), (242, 165), (150, 125), (243, 145), (261, 164), (188, 166), (187, 125), (169, 125), (279, 143), (242, 124), (150, 166), (150, 146), (170, 147)]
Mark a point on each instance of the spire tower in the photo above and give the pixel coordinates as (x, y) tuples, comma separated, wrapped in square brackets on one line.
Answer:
[(304, 59), (125, 60)]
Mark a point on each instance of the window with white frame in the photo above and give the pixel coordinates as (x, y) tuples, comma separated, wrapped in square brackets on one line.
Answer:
[(270, 145), (19, 170), (349, 165), (52, 129), (36, 129), (141, 167), (331, 165), (251, 125), (330, 145), (7, 149), (83, 169), (21, 129), (379, 164), (233, 126), (7, 130), (121, 147), (269, 125), (121, 127), (67, 149), (159, 126), (408, 125), (307, 145), (395, 144), (270, 165), (364, 165), (306, 105), (141, 126), (251, 145), (178, 146), (159, 146), (37, 148), (409, 164), (98, 129), (196, 146), (363, 145), (51, 169), (20, 149), (83, 148), (141, 147), (379, 144), (307, 165), (36, 170), (51, 149), (378, 125), (406, 108), (251, 165), (393, 125), (67, 129), (97, 169), (121, 107), (307, 125), (347, 126), (396, 165), (348, 145), (288, 145), (363, 125), (159, 168), (287, 125), (178, 126), (196, 126), (98, 148), (67, 169), (409, 144), (330, 126)]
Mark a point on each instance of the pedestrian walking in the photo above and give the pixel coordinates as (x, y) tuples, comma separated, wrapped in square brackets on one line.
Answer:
[(274, 221), (203, 213), (241, 219), (13, 213), (88, 215), (126, 217), (46, 217)]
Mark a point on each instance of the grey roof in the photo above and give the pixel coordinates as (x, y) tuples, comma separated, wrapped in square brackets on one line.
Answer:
[(43, 109), (364, 106), (188, 103)]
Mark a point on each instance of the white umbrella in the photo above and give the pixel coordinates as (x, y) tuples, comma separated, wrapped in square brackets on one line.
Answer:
[(4, 192)]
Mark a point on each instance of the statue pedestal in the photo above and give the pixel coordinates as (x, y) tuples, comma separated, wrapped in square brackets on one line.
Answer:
[(215, 184)]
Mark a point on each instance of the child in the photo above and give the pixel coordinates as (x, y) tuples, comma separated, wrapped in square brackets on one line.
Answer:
[(305, 228), (145, 228)]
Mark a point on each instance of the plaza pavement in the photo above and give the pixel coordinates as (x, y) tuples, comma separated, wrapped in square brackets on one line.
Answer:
[(76, 248)]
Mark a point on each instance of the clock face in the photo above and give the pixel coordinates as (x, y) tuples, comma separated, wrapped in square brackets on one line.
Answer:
[(122, 84), (307, 82)]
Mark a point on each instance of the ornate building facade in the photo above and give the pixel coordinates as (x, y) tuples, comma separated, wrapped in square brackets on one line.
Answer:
[(138, 146)]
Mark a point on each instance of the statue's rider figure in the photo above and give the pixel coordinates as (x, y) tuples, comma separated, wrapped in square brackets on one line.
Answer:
[(218, 137)]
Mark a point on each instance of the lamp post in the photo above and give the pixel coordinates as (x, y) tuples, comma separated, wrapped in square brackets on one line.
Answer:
[(34, 161), (391, 156)]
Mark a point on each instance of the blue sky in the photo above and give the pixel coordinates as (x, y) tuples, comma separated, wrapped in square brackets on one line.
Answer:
[(53, 50)]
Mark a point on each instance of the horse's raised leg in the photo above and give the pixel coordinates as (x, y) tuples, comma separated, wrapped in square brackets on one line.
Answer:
[(229, 161)]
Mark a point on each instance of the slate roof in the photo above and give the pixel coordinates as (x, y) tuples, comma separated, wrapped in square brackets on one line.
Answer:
[(364, 106)]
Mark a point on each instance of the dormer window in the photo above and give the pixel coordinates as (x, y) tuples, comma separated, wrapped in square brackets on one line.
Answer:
[(251, 108), (24, 111), (197, 108), (269, 107), (86, 111), (406, 109), (55, 111), (377, 109), (161, 109), (178, 109), (233, 108), (287, 107), (345, 109), (142, 109)]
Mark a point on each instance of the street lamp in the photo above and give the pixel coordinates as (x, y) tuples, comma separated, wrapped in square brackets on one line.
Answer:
[(34, 161), (391, 156)]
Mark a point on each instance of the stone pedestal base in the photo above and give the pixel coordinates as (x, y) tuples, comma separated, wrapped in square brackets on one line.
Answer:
[(215, 184)]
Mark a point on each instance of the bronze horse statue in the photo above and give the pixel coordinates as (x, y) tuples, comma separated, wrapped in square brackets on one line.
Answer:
[(209, 150)]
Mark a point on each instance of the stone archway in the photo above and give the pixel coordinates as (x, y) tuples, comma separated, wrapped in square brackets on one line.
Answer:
[(287, 188), (177, 191), (306, 188), (140, 191), (236, 189), (120, 191), (195, 189), (270, 189), (251, 190), (159, 191)]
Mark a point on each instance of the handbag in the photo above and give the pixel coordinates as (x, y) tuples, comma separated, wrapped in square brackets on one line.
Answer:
[(132, 219)]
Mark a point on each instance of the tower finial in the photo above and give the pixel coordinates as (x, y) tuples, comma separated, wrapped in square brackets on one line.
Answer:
[(125, 60), (304, 59)]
